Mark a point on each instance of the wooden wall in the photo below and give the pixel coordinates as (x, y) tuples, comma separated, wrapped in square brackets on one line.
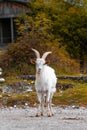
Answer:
[(11, 9)]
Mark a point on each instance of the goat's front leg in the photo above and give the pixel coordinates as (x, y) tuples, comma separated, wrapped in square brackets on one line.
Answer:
[(48, 103), (42, 103), (40, 95), (39, 105)]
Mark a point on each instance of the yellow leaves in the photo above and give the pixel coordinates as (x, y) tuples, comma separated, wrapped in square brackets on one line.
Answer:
[(73, 10), (38, 3), (42, 20)]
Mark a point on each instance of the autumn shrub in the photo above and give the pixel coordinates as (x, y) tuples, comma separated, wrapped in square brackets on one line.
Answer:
[(16, 59), (61, 60)]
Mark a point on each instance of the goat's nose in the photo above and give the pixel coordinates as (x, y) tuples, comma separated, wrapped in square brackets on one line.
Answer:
[(39, 69)]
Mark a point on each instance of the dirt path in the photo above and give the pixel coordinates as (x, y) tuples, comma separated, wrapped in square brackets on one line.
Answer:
[(24, 119)]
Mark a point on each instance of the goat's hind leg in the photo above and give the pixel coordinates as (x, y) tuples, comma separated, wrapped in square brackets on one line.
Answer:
[(50, 105)]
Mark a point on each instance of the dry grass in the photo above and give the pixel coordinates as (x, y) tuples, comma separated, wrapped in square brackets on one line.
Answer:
[(71, 96), (76, 96)]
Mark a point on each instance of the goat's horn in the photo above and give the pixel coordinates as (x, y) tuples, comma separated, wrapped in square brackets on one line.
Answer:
[(36, 52), (45, 54)]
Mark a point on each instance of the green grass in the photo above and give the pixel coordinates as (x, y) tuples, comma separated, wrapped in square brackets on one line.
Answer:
[(20, 99), (71, 96), (77, 96)]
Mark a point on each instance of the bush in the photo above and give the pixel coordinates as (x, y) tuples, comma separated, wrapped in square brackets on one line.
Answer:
[(16, 59)]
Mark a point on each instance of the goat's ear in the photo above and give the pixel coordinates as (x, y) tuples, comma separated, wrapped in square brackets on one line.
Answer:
[(47, 62), (32, 61)]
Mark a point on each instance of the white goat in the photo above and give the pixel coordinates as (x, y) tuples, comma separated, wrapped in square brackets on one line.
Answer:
[(45, 83)]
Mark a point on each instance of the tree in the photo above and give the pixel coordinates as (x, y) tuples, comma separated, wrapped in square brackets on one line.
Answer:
[(70, 27), (35, 26), (39, 29)]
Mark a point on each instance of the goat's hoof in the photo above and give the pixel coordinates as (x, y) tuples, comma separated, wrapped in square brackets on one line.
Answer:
[(41, 114), (38, 115), (49, 115), (52, 114)]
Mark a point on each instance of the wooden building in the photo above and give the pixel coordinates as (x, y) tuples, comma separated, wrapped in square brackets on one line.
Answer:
[(9, 10)]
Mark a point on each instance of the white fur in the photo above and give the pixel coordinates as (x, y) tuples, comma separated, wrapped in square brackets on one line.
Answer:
[(45, 85)]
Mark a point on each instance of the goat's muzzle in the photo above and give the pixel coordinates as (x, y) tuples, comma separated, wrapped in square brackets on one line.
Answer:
[(39, 71)]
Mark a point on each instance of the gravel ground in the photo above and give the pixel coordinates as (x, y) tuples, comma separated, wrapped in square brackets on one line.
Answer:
[(24, 119)]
